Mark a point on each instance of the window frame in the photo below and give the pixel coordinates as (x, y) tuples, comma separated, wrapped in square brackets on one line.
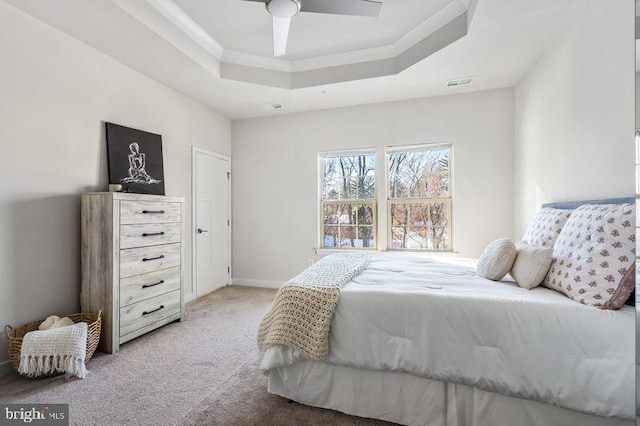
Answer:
[(373, 202), (448, 201)]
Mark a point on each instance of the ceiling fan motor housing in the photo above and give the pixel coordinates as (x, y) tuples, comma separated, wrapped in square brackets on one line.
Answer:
[(283, 8)]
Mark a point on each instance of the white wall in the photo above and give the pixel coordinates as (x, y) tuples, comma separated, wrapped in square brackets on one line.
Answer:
[(55, 94), (275, 178), (574, 119), (637, 104)]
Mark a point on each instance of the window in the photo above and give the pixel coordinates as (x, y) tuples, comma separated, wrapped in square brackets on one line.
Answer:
[(419, 198), (348, 204)]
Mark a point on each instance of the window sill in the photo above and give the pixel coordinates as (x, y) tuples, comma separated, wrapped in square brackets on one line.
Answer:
[(424, 253)]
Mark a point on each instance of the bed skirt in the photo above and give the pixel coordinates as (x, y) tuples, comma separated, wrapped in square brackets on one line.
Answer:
[(411, 400)]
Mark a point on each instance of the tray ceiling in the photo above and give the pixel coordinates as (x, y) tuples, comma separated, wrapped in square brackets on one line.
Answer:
[(219, 52)]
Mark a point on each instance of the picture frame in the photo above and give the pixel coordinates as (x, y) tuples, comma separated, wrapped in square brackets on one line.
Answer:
[(134, 159)]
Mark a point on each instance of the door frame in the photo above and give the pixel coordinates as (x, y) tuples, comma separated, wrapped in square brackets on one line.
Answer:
[(194, 277)]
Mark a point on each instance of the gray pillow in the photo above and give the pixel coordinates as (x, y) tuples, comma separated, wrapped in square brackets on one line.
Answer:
[(496, 260), (531, 265)]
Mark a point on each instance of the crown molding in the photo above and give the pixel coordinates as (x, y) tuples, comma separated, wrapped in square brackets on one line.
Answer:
[(153, 15), (171, 23), (184, 22)]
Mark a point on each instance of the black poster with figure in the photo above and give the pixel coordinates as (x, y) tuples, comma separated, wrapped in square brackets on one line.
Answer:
[(135, 160)]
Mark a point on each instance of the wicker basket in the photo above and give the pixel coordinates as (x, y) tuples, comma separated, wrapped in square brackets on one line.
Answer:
[(15, 335)]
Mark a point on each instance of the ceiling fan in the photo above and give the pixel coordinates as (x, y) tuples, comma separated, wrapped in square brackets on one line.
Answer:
[(283, 10)]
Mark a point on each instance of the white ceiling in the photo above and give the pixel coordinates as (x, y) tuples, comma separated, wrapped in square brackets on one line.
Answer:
[(183, 50), (245, 26)]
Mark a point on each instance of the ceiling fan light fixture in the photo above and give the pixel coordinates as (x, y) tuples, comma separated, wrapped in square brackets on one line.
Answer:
[(283, 8)]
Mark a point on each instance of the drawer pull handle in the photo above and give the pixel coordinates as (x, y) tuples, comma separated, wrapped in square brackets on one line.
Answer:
[(153, 211), (153, 285), (146, 259), (152, 234), (155, 310)]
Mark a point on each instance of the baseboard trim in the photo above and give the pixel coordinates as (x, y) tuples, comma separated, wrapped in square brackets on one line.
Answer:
[(5, 368), (256, 283)]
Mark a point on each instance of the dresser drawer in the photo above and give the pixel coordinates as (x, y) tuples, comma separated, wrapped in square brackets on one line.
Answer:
[(141, 260), (141, 287), (149, 212), (149, 234), (146, 312)]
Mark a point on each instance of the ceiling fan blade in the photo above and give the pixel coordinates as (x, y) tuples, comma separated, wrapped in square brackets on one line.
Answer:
[(280, 35), (342, 7)]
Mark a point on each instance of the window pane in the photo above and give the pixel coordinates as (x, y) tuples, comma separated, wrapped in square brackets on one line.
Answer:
[(428, 214), (331, 214), (398, 237), (419, 214), (419, 174), (329, 169), (420, 226), (439, 214), (366, 187), (347, 236), (347, 214), (365, 236), (330, 189), (417, 238), (439, 238), (330, 237), (399, 214), (348, 177), (350, 190), (365, 214)]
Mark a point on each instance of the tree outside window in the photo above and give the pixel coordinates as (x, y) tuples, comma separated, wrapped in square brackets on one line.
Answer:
[(419, 200), (348, 205)]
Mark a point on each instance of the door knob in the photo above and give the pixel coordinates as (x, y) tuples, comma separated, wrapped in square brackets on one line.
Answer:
[(200, 230)]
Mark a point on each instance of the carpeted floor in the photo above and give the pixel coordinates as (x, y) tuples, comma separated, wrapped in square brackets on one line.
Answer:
[(202, 371)]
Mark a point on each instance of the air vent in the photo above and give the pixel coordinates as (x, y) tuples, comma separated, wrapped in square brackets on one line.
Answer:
[(459, 82), (271, 106)]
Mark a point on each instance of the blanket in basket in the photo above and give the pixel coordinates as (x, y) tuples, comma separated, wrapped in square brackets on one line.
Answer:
[(301, 313), (55, 350)]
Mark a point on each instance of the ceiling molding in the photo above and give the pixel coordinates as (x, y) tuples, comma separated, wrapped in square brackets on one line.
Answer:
[(513, 34), (256, 61), (441, 38), (177, 28), (428, 27), (415, 36), (154, 19), (184, 22)]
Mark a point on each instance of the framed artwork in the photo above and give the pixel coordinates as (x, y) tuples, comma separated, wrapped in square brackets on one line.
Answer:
[(135, 160)]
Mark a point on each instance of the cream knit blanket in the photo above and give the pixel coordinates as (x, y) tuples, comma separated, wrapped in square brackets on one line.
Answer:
[(55, 350), (300, 315)]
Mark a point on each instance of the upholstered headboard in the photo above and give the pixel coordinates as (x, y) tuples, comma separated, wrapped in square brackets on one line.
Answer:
[(570, 205)]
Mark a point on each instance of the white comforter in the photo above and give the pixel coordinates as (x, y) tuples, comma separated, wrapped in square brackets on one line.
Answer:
[(439, 320)]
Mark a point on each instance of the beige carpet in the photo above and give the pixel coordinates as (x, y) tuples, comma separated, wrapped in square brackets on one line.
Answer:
[(202, 371)]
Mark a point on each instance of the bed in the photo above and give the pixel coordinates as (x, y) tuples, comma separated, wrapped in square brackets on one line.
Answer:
[(420, 341)]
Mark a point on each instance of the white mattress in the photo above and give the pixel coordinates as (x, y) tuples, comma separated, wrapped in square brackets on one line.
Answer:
[(438, 320)]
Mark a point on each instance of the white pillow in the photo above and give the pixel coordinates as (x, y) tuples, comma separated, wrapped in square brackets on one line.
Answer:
[(496, 260), (531, 265)]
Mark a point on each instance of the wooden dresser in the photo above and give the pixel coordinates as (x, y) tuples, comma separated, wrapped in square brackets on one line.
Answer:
[(132, 261)]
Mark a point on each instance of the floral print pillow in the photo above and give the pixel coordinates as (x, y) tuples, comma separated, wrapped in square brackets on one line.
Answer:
[(545, 228), (594, 256)]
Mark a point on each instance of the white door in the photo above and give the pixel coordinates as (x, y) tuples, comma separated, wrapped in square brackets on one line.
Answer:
[(211, 222)]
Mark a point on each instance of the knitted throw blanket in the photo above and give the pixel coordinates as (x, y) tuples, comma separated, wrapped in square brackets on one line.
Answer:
[(300, 315), (55, 350)]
